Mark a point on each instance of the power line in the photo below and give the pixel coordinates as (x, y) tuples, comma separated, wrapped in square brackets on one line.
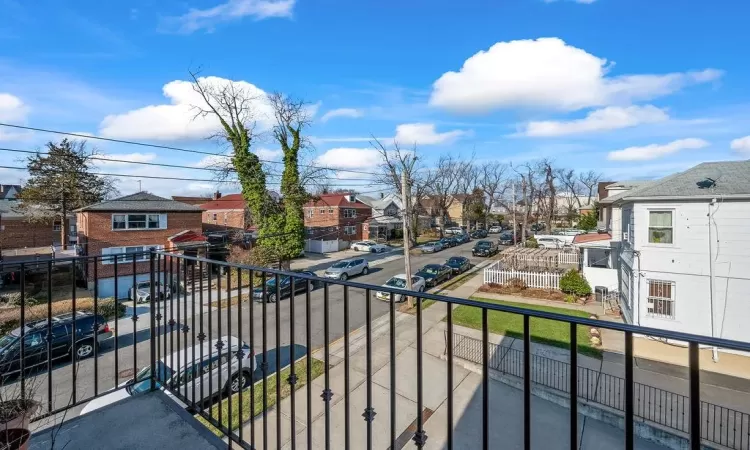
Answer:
[(165, 147)]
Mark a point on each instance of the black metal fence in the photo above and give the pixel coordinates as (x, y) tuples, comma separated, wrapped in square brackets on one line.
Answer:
[(719, 425), (225, 346)]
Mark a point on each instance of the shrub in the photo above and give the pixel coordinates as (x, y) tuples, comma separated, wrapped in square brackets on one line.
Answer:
[(574, 283), (569, 298), (516, 283), (532, 243)]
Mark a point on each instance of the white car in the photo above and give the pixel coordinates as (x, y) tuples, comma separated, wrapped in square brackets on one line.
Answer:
[(550, 242), (399, 282), (369, 246), (572, 232), (192, 372), (495, 229), (453, 230)]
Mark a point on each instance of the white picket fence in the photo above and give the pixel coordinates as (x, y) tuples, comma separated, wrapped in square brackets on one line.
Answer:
[(567, 258), (542, 280)]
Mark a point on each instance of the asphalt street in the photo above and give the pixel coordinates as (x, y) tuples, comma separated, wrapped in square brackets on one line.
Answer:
[(97, 375)]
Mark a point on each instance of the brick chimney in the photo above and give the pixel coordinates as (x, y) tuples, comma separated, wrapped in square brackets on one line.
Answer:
[(217, 195)]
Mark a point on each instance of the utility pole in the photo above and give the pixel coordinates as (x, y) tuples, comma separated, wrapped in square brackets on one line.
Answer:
[(513, 209), (406, 198), (64, 223)]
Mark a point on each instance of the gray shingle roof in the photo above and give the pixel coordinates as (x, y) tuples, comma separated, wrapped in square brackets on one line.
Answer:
[(141, 201), (732, 179)]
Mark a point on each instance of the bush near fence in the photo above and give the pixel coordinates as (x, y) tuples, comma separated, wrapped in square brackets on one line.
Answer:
[(10, 318)]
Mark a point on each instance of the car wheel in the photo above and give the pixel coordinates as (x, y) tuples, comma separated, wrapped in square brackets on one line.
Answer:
[(84, 349), (366, 270), (240, 381), (343, 277), (272, 298)]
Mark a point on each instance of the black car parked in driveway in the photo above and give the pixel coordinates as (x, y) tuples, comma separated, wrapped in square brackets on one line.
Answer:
[(285, 287), (90, 331), (458, 264), (485, 248), (435, 274)]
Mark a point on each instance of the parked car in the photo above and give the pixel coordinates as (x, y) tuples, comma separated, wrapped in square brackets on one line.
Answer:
[(479, 234), (435, 274), (347, 268), (285, 287), (448, 242), (453, 230), (207, 376), (143, 291), (90, 332), (506, 238), (571, 232), (458, 264), (431, 247), (399, 282), (461, 238), (369, 246), (550, 242), (485, 248), (495, 229)]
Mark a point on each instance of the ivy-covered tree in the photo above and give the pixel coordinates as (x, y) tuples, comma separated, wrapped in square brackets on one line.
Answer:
[(60, 181)]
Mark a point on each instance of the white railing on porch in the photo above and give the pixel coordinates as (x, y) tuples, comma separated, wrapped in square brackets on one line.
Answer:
[(567, 258), (541, 280)]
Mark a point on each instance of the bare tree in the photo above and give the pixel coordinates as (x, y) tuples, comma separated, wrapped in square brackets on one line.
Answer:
[(493, 182), (529, 192), (444, 186), (550, 176), (467, 177), (590, 180)]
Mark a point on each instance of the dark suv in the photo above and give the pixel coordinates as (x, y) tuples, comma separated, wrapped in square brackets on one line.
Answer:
[(485, 248), (90, 331)]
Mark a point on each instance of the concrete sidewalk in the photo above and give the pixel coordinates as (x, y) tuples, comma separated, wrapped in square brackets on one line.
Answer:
[(549, 421)]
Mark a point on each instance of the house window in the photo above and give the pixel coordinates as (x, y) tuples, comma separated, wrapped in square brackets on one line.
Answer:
[(322, 211), (127, 254), (214, 217), (350, 213), (56, 227), (661, 300), (330, 210), (660, 227), (310, 212), (350, 230), (139, 221)]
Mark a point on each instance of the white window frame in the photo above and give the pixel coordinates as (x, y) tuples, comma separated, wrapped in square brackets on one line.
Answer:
[(56, 226), (350, 230), (657, 304), (161, 221), (121, 253), (350, 213), (330, 210), (671, 228), (322, 210)]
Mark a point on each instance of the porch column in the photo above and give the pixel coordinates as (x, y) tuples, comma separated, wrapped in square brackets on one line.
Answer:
[(585, 257)]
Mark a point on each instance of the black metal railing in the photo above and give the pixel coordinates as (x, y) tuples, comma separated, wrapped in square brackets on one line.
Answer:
[(719, 425), (236, 342)]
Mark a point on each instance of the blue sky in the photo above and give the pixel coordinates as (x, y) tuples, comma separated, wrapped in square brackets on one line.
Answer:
[(629, 88)]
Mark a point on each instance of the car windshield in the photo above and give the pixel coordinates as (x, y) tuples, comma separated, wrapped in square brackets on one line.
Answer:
[(142, 379), (455, 261), (7, 340), (145, 285), (396, 282), (272, 281), (340, 265), (430, 269), (483, 244)]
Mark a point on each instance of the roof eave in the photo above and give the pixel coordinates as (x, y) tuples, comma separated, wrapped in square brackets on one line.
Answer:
[(685, 197)]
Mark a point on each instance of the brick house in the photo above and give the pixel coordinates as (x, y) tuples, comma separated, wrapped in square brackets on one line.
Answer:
[(134, 224), (226, 213), (333, 221)]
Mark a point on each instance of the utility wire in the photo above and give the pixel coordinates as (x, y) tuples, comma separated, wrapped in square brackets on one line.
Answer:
[(165, 147)]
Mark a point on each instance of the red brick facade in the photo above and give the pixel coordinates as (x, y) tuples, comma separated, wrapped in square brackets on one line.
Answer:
[(95, 233), (335, 216), (226, 213), (16, 232)]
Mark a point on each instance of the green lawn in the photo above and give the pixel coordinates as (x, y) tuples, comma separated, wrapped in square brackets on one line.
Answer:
[(300, 369), (543, 331)]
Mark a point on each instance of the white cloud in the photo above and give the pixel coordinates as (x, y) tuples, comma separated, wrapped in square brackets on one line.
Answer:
[(12, 109), (424, 134), (342, 112), (177, 120), (655, 151), (223, 160), (268, 154), (741, 145), (349, 158), (548, 73), (609, 118), (231, 10), (106, 160)]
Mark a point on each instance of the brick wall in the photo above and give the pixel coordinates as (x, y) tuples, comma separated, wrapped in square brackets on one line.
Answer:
[(226, 219), (323, 225), (18, 233), (95, 233)]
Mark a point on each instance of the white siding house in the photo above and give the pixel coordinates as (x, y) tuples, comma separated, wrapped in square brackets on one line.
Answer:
[(678, 239)]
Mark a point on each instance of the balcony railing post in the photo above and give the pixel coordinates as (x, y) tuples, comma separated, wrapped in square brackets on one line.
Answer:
[(152, 307), (695, 396), (573, 386), (526, 382), (629, 442)]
